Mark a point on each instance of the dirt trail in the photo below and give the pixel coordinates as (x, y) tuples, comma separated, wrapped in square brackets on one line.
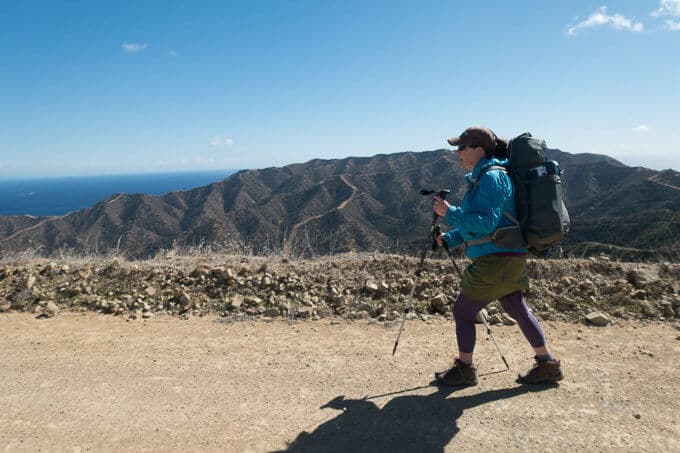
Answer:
[(654, 180), (37, 225), (78, 382)]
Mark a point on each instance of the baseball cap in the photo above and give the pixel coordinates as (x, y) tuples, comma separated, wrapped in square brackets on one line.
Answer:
[(475, 136)]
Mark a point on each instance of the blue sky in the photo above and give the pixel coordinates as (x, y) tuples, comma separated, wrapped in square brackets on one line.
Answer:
[(91, 87)]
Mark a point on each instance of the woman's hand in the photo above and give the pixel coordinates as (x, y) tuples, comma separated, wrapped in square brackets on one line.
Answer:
[(441, 206), (440, 240)]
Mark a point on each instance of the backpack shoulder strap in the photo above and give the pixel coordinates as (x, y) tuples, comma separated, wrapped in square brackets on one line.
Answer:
[(475, 181)]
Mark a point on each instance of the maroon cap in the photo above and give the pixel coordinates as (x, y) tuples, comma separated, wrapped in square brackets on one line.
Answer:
[(475, 136)]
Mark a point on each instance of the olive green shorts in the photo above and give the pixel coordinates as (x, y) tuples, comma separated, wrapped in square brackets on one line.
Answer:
[(491, 277)]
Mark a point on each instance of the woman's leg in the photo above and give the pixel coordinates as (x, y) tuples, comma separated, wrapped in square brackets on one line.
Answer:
[(515, 306), (465, 310)]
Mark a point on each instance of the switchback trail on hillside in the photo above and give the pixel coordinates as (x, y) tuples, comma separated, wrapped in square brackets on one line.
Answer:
[(294, 230), (36, 226), (91, 382)]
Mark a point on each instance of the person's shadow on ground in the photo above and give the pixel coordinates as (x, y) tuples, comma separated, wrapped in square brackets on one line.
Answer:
[(425, 423)]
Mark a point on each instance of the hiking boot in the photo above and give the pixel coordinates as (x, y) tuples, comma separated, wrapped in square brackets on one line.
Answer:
[(460, 374), (543, 372)]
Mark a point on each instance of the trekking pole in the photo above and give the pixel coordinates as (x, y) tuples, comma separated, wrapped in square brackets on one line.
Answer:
[(435, 233), (442, 194)]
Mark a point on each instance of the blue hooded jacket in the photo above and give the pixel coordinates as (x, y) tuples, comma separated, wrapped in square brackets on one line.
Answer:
[(481, 210)]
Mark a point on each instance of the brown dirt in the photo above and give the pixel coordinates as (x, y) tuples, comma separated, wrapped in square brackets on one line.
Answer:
[(91, 382)]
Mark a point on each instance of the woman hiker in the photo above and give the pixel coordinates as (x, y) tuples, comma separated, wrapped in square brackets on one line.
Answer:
[(495, 272)]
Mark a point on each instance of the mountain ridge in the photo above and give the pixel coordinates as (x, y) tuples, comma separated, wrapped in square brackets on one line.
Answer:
[(355, 203)]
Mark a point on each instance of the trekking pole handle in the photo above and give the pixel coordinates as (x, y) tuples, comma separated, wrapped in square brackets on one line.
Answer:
[(440, 193)]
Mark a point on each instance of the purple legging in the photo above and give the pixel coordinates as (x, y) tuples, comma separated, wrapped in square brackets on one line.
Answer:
[(465, 310)]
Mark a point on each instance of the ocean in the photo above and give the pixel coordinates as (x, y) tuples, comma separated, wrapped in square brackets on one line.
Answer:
[(57, 196)]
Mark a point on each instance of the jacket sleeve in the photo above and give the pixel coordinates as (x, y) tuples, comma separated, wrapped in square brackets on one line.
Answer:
[(484, 208), (453, 238)]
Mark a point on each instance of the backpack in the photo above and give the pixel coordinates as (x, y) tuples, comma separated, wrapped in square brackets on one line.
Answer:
[(543, 217)]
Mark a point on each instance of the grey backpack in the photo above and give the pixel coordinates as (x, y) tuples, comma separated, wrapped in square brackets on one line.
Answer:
[(543, 217)]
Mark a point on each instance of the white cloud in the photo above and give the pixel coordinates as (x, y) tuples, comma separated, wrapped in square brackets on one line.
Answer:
[(668, 8), (173, 53), (601, 18), (134, 47), (641, 128), (221, 142), (673, 25)]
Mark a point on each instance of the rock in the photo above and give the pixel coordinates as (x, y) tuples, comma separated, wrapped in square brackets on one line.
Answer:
[(639, 294), (252, 301), (567, 281), (406, 284), (237, 300), (598, 319), (147, 315), (110, 268), (304, 312), (5, 306), (668, 309), (439, 302), (201, 270), (185, 300), (28, 282), (565, 303), (370, 286), (49, 269), (272, 312), (641, 277), (495, 319), (366, 306), (227, 274), (648, 309), (361, 314), (50, 310), (507, 320), (150, 291), (637, 416), (479, 319)]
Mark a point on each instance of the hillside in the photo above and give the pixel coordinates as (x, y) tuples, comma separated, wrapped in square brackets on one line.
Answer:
[(354, 204)]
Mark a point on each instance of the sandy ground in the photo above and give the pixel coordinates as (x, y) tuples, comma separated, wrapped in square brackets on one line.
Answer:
[(91, 382)]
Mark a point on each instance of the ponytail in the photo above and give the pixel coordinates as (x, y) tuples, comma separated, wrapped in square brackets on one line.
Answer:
[(500, 150)]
